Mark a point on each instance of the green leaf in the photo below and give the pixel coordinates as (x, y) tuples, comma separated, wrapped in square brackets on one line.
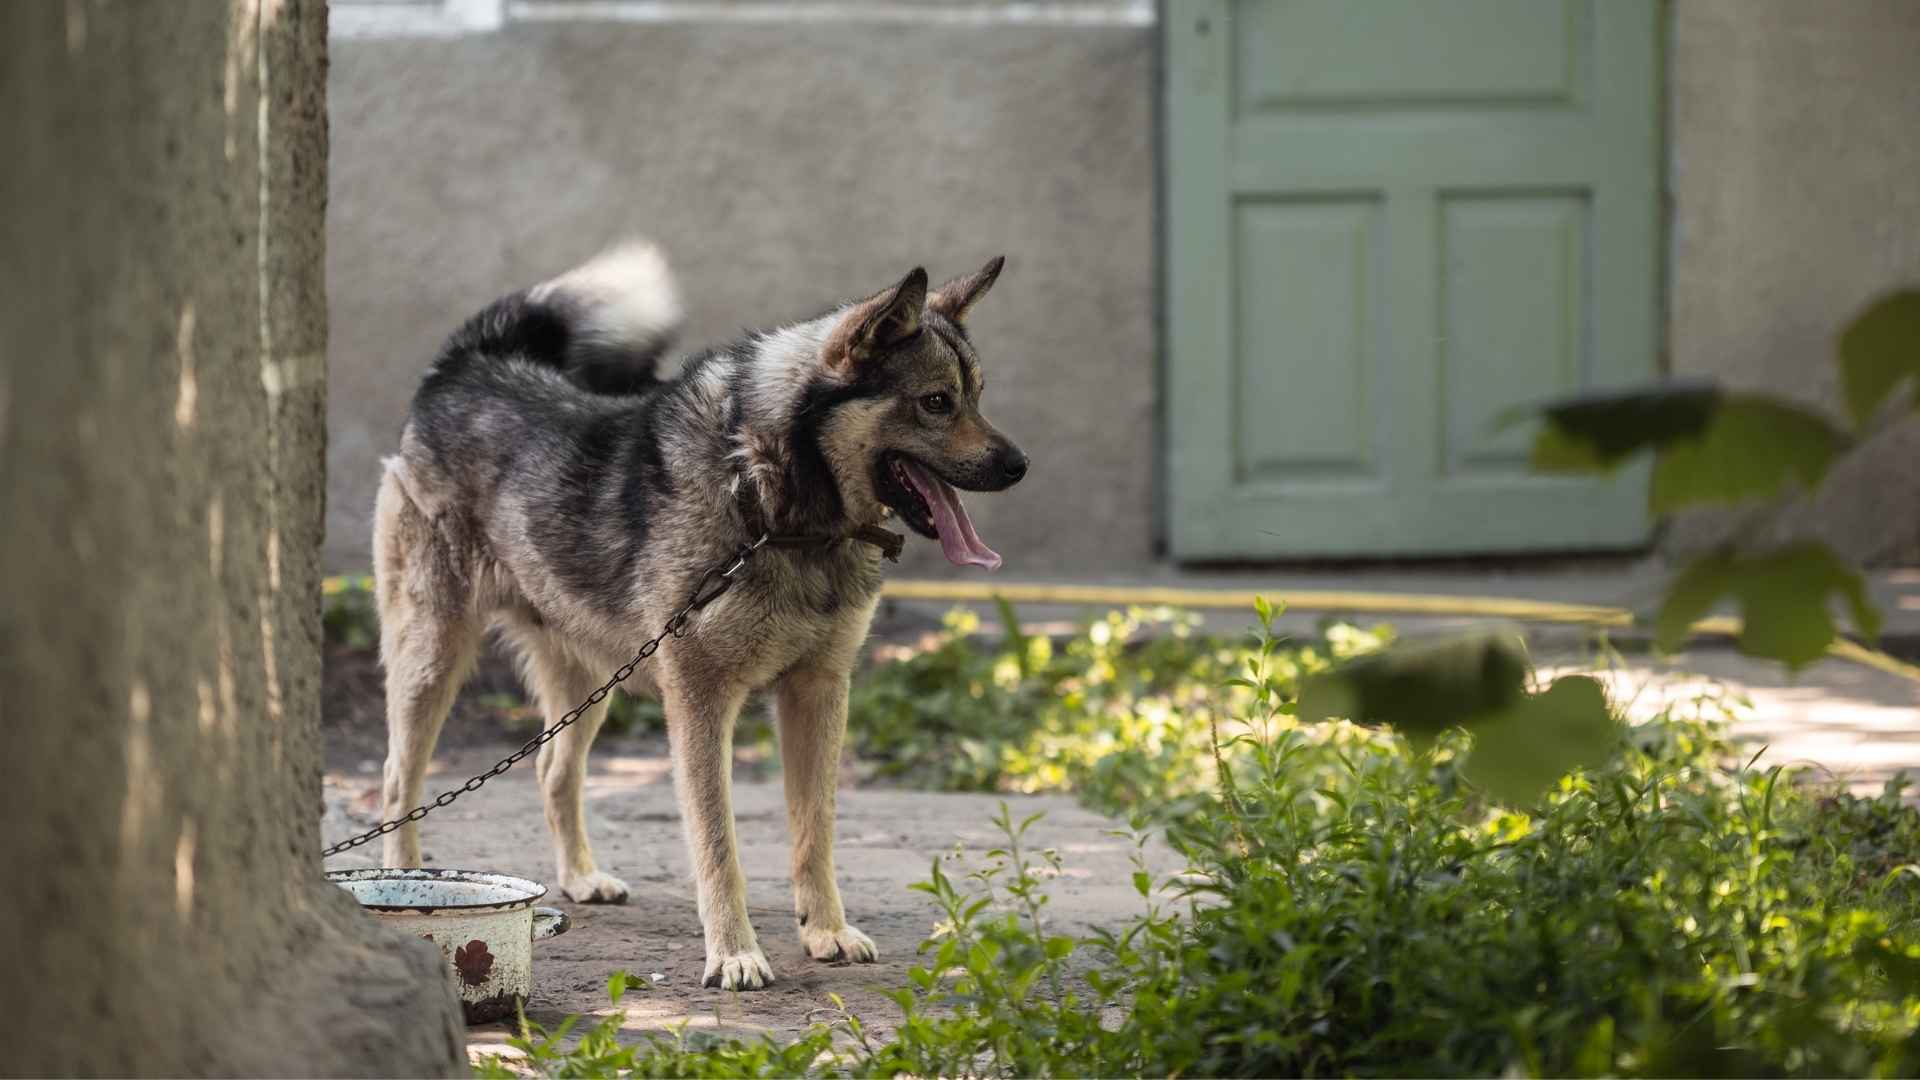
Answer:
[(1752, 447), (1423, 687), (1595, 1057), (1784, 599), (1142, 882), (1522, 751), (1901, 964), (1879, 349), (1010, 624), (1711, 446), (1556, 451), (1784, 604), (1596, 432), (1690, 598)]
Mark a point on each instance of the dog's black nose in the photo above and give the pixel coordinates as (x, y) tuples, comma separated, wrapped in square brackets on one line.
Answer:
[(1014, 464)]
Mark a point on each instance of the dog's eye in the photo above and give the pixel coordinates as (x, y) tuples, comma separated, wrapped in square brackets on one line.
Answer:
[(938, 404)]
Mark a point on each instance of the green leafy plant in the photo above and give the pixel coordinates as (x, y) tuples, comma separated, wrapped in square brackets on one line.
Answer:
[(598, 1051), (1711, 445), (1353, 904), (996, 989), (1784, 594), (1121, 712)]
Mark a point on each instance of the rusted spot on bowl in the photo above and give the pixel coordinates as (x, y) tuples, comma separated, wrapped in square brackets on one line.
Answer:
[(473, 962)]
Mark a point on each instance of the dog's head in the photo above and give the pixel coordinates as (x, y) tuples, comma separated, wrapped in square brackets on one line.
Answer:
[(904, 428)]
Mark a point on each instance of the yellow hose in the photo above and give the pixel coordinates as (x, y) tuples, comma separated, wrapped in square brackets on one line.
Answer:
[(1849, 650), (1322, 600), (1295, 600)]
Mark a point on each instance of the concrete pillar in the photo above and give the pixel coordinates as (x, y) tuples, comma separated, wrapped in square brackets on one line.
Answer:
[(162, 375)]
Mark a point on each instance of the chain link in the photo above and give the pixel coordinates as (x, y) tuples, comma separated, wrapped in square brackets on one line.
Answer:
[(717, 580)]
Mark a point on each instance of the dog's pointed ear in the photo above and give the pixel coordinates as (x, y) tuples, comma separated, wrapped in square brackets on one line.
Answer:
[(957, 297), (886, 318)]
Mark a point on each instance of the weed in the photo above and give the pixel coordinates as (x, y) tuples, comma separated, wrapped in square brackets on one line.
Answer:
[(684, 1052)]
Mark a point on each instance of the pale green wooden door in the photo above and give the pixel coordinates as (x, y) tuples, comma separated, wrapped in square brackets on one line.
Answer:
[(1388, 220)]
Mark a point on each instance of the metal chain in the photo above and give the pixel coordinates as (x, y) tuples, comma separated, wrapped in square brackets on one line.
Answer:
[(717, 580)]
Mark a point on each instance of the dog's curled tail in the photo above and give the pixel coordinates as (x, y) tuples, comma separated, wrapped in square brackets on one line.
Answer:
[(621, 310)]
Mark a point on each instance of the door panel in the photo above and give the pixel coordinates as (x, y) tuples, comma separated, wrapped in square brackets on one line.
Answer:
[(1513, 282), (1387, 223), (1311, 420), (1415, 53)]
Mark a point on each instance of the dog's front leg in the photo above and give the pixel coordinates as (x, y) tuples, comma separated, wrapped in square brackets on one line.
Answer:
[(700, 721), (812, 710)]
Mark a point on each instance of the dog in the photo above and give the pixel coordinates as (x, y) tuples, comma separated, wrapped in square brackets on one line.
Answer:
[(553, 487)]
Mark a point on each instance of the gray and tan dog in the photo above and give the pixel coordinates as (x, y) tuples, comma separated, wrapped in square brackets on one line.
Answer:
[(551, 487)]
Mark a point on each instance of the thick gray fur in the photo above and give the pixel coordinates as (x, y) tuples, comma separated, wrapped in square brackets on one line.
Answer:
[(549, 486)]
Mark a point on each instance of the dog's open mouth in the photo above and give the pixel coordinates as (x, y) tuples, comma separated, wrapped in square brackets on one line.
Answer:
[(931, 507)]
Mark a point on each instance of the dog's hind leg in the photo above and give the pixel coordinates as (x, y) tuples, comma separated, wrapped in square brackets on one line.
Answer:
[(812, 709), (561, 683), (426, 663), (700, 719), (428, 639)]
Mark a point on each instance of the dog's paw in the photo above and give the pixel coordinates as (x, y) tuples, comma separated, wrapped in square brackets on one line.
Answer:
[(747, 970), (594, 888), (845, 945)]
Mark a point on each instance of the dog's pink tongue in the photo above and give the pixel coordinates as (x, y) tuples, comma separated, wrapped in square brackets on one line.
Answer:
[(958, 541)]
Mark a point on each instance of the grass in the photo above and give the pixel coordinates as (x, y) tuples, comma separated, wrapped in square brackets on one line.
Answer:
[(1353, 906)]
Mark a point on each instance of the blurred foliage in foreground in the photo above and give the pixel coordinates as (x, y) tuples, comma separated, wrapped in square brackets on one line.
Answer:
[(1715, 446)]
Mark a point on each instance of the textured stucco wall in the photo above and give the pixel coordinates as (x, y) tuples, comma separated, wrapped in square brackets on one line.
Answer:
[(783, 166), (1796, 201), (162, 337)]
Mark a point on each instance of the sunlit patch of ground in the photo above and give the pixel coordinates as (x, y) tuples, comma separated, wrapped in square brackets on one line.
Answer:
[(1847, 722)]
